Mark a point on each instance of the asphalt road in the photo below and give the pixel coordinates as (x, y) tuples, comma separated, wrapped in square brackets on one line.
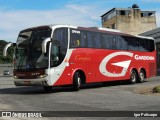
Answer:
[(93, 97)]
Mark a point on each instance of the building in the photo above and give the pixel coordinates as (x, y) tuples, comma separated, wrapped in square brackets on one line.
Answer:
[(155, 33), (129, 20)]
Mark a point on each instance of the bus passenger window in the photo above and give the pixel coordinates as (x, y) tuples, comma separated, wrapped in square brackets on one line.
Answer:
[(75, 39), (142, 45), (133, 44), (108, 41), (98, 42), (150, 45), (83, 41), (90, 39), (76, 43), (121, 43)]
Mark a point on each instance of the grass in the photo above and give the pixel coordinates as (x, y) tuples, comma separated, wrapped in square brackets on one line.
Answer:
[(156, 89)]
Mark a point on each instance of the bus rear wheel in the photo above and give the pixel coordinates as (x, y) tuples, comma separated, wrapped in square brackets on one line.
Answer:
[(76, 81), (133, 77), (141, 76)]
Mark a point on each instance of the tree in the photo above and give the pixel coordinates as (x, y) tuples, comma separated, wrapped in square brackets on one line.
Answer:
[(9, 57)]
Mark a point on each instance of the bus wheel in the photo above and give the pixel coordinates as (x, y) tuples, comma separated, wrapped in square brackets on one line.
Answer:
[(47, 88), (141, 76), (133, 77), (76, 81)]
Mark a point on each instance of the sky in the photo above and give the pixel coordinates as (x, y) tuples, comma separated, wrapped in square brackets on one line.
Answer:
[(16, 15)]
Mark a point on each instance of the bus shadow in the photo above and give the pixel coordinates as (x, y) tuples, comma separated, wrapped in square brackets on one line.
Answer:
[(105, 84), (40, 90), (22, 90), (34, 90)]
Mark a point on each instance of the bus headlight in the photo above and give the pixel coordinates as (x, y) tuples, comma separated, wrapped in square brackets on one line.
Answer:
[(15, 77), (42, 76)]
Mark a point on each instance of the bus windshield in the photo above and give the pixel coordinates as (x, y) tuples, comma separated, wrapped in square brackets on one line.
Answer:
[(28, 53)]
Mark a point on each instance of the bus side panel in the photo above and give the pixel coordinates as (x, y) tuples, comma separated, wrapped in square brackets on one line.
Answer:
[(65, 77), (85, 60), (101, 65), (114, 65), (146, 61), (77, 61)]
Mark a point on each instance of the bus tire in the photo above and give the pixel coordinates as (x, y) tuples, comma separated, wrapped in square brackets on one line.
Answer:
[(47, 88), (76, 81), (133, 77), (141, 76)]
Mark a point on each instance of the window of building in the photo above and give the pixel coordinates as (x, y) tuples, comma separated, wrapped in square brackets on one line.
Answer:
[(151, 14), (113, 26), (141, 14), (122, 12), (147, 14), (128, 12), (108, 16)]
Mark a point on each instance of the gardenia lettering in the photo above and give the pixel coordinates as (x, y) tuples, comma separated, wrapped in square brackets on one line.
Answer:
[(137, 57)]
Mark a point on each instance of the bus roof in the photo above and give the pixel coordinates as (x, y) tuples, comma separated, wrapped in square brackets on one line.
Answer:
[(144, 37), (112, 31), (95, 29)]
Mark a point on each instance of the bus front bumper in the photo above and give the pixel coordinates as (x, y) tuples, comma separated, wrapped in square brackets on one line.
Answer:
[(31, 82)]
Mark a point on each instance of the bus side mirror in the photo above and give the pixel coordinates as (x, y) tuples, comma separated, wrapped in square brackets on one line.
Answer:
[(44, 45), (6, 48)]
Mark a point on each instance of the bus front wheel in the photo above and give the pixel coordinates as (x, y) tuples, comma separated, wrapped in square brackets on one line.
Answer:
[(133, 77), (76, 81)]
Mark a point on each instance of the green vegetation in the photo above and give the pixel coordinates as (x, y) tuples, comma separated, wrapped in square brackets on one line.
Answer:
[(9, 57), (156, 89)]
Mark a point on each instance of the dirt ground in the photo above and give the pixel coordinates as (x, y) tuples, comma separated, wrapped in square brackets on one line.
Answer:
[(146, 91)]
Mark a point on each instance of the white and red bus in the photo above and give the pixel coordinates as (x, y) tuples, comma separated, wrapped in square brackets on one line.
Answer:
[(57, 55)]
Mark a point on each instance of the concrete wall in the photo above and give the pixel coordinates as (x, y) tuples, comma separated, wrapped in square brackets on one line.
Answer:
[(6, 67), (132, 23), (148, 23)]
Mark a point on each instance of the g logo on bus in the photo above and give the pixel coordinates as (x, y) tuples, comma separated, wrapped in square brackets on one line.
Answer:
[(123, 64)]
